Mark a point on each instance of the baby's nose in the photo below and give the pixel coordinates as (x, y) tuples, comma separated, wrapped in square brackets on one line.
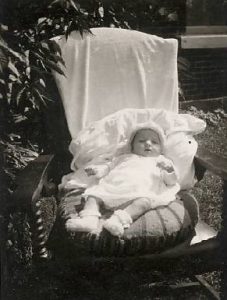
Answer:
[(148, 143)]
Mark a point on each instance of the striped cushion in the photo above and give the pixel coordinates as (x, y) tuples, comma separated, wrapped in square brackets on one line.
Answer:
[(155, 231)]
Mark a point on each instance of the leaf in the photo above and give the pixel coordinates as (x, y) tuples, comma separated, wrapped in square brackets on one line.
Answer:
[(4, 46), (54, 66), (58, 59), (41, 60), (19, 118), (13, 78), (39, 96), (54, 45), (39, 86), (3, 27), (41, 20), (27, 55), (45, 45), (46, 53), (54, 3), (74, 5), (69, 29), (13, 69), (34, 101), (41, 81), (44, 67), (37, 55), (28, 71), (39, 71), (9, 94), (55, 57), (19, 95), (3, 60), (47, 98)]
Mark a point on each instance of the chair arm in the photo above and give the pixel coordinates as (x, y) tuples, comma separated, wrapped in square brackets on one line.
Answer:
[(213, 162), (31, 181), (35, 190)]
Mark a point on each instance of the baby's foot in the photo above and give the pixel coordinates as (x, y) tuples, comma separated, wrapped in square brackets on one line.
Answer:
[(114, 226), (97, 231), (118, 222), (84, 224)]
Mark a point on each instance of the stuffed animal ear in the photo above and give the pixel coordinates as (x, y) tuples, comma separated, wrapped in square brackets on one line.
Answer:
[(195, 125), (186, 123)]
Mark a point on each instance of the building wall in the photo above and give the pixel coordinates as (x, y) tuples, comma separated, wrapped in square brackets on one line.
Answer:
[(206, 74)]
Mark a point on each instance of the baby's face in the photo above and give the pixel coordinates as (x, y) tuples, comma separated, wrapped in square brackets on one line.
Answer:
[(146, 143)]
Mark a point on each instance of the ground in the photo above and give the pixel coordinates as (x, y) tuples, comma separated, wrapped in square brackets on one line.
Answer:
[(59, 284)]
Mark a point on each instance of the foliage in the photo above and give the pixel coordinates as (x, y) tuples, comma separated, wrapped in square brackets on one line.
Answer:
[(143, 15), (27, 55), (211, 118), (16, 157)]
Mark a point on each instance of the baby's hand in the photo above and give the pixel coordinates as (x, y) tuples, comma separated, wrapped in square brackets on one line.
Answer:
[(98, 171), (166, 165), (91, 171)]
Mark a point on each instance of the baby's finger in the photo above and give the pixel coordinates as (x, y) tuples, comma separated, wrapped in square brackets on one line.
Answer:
[(161, 164), (90, 171)]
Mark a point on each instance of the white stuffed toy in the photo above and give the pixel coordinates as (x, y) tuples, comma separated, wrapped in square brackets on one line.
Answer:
[(181, 149)]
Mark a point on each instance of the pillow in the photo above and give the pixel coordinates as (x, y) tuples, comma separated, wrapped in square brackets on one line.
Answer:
[(108, 136), (157, 230)]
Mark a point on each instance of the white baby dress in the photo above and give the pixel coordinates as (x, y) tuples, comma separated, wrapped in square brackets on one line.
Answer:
[(132, 176)]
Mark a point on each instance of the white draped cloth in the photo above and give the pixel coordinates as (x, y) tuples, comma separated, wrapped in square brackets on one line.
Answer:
[(113, 69)]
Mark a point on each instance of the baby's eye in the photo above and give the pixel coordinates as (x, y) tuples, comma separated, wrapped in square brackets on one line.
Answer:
[(154, 142), (142, 141)]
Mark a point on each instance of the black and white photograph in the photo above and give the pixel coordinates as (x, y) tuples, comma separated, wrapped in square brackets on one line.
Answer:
[(113, 149)]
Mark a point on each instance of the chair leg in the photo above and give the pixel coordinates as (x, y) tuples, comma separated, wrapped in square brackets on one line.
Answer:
[(38, 231), (223, 238), (196, 282), (210, 291), (3, 265)]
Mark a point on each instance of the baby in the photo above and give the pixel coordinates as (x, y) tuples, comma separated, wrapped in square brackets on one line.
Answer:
[(140, 180)]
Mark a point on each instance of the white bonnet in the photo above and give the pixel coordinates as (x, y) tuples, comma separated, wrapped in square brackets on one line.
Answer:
[(125, 145)]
